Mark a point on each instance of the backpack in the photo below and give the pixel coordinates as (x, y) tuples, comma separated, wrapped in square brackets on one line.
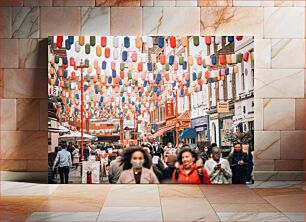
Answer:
[(199, 171)]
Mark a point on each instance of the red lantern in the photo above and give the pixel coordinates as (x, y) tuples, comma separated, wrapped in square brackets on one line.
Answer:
[(75, 67), (71, 61), (107, 52), (175, 66), (103, 41), (59, 44), (59, 38), (139, 66), (60, 72), (207, 40), (98, 71), (246, 56), (134, 56), (199, 60), (207, 75), (200, 82), (72, 77), (222, 59), (167, 77), (162, 59), (239, 38), (172, 41), (122, 74), (65, 66)]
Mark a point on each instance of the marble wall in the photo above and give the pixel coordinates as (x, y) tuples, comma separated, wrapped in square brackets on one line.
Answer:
[(278, 27)]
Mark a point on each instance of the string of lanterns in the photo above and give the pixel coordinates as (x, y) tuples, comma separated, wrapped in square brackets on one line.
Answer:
[(123, 79)]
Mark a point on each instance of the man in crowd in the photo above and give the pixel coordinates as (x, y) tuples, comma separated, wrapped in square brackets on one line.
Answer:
[(238, 163), (218, 168), (115, 169), (65, 162)]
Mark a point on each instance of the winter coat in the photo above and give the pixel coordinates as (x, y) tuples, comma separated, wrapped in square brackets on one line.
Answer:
[(192, 177)]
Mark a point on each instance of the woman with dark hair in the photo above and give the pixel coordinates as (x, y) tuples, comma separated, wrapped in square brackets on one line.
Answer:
[(137, 167), (189, 170)]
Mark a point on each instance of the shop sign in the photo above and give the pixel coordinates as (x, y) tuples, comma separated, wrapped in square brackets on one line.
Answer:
[(223, 106), (169, 110)]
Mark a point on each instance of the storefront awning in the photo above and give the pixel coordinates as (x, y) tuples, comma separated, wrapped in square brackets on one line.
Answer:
[(162, 131), (188, 133)]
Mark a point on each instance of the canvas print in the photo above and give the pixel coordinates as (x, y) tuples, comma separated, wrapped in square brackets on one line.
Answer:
[(150, 109)]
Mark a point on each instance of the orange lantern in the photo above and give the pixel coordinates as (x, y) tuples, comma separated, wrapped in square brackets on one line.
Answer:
[(139, 66), (162, 59), (184, 41), (81, 40), (222, 59), (107, 52), (122, 74), (99, 51), (199, 60)]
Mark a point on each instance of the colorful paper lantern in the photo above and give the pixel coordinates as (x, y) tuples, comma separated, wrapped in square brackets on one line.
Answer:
[(196, 40), (81, 40), (172, 41), (161, 41), (107, 52), (126, 42), (87, 49), (207, 40), (138, 42), (103, 41)]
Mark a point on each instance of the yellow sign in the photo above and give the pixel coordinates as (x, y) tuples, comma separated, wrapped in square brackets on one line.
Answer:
[(223, 106)]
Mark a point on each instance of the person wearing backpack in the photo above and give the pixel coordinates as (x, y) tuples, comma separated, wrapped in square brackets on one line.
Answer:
[(188, 171)]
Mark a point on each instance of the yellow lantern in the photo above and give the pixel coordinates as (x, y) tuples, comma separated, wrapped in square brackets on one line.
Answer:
[(99, 51), (96, 64), (228, 59), (184, 40), (81, 40), (190, 60), (138, 42)]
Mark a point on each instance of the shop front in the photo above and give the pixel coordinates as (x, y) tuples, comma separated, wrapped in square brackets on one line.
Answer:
[(201, 126)]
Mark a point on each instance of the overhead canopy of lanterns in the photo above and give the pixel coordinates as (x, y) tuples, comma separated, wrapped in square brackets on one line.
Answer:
[(127, 75)]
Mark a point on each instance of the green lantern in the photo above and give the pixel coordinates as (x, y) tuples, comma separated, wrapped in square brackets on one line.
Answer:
[(86, 63), (87, 49), (167, 67), (181, 60), (92, 40)]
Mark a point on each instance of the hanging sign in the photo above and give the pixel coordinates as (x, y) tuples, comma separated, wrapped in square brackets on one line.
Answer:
[(223, 106)]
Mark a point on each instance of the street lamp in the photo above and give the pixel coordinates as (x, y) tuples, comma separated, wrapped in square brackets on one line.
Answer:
[(82, 109)]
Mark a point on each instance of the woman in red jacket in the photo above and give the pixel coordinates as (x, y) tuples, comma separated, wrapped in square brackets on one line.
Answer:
[(188, 171)]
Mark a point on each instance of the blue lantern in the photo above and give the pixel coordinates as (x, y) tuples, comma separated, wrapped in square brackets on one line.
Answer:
[(71, 39), (185, 65), (149, 66), (124, 55), (161, 41), (65, 60), (171, 60), (109, 80), (194, 76), (104, 65), (114, 73), (230, 38), (213, 59), (126, 42)]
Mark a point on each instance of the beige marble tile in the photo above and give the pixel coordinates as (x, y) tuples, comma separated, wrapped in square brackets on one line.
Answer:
[(19, 208), (289, 165), (278, 22), (32, 53), (182, 191), (149, 214), (228, 20), (126, 21), (282, 176), (63, 216), (267, 3), (267, 145), (292, 145), (253, 216), (24, 145), (300, 114), (5, 22), (51, 17), (263, 165), (43, 114), (13, 165), (25, 83), (264, 207), (8, 114), (81, 190), (273, 83), (95, 21), (258, 112), (1, 83), (5, 3), (164, 3), (262, 53), (282, 49), (37, 165), (9, 53), (25, 22), (246, 3), (28, 114), (126, 3), (279, 114), (124, 196), (73, 2), (187, 209), (186, 3), (278, 3), (226, 194), (299, 3), (146, 2), (37, 2), (160, 21), (288, 203), (220, 3)]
